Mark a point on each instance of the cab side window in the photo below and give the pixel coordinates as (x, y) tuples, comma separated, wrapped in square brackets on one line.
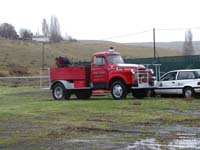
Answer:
[(183, 75), (169, 76), (99, 60)]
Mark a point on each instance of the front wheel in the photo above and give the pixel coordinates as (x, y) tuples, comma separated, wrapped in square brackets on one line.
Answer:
[(188, 92), (118, 90)]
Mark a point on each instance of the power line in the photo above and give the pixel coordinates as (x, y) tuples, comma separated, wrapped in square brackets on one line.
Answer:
[(172, 29), (150, 30), (125, 35)]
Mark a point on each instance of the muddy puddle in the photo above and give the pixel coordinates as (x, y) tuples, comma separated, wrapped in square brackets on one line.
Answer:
[(151, 136), (163, 138), (157, 137), (180, 143)]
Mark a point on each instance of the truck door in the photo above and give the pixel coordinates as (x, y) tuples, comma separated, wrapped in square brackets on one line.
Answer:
[(167, 84), (99, 72)]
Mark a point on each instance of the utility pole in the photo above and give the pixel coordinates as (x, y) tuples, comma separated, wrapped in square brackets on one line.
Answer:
[(154, 44), (42, 55)]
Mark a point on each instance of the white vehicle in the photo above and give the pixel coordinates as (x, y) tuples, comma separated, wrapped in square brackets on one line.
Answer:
[(181, 82)]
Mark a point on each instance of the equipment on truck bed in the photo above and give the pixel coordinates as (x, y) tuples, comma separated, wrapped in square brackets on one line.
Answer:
[(62, 61)]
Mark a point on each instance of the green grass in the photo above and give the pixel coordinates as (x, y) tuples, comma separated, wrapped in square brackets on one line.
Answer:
[(9, 90), (138, 110), (36, 116), (29, 54)]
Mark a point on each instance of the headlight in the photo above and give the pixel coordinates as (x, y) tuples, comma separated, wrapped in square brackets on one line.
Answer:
[(151, 71), (133, 71)]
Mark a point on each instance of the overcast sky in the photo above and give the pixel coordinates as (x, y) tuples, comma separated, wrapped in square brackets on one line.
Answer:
[(101, 19)]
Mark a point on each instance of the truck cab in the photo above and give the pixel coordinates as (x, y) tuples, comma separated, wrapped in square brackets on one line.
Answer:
[(107, 71), (101, 66)]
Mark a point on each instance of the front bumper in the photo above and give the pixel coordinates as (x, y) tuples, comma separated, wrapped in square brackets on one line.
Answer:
[(197, 89)]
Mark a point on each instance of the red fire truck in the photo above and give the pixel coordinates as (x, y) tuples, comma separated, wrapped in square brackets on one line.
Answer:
[(107, 71)]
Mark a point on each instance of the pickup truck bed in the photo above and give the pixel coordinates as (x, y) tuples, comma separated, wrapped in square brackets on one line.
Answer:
[(68, 73)]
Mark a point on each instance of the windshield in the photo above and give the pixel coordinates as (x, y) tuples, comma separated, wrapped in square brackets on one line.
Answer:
[(197, 73), (115, 59)]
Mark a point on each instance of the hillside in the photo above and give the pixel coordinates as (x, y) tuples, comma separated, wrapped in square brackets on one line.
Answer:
[(176, 46), (27, 55)]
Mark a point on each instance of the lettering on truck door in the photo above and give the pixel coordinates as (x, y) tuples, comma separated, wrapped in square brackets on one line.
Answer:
[(99, 72)]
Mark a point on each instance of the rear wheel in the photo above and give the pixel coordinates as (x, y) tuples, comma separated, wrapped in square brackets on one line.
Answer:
[(59, 92), (83, 94), (118, 90), (188, 92)]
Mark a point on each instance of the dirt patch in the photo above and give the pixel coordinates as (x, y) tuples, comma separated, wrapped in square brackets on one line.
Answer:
[(99, 119), (186, 112), (69, 130)]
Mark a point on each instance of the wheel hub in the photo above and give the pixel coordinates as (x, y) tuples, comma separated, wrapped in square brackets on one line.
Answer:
[(117, 91), (58, 92), (188, 93)]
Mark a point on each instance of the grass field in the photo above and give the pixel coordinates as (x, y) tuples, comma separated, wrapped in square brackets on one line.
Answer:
[(28, 55), (31, 119)]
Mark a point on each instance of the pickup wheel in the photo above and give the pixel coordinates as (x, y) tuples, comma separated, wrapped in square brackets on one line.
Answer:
[(59, 92), (188, 92), (151, 93), (83, 94), (118, 90)]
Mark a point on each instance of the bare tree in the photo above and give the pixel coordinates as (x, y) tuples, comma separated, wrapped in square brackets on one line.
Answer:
[(8, 31), (45, 28), (69, 38), (55, 34), (188, 46)]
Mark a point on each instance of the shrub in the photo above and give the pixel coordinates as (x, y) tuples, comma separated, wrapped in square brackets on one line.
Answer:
[(17, 70), (4, 74)]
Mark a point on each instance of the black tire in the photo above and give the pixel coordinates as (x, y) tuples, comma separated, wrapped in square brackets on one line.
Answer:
[(118, 90), (83, 94), (59, 92), (139, 94), (68, 94), (188, 92), (151, 93)]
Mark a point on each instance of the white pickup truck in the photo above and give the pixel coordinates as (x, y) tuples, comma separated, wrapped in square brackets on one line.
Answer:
[(179, 82)]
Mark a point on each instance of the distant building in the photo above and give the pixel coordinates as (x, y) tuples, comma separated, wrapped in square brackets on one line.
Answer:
[(40, 38)]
